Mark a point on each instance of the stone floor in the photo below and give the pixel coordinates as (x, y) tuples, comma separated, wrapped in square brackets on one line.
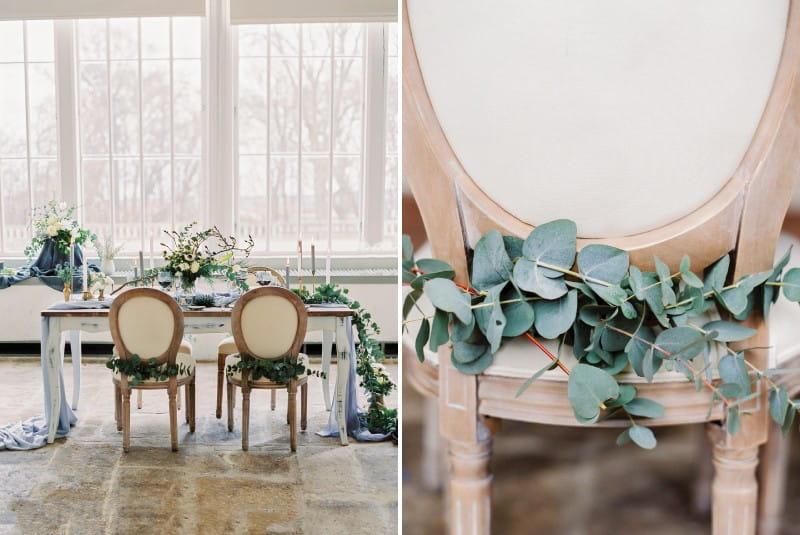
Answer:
[(85, 484), (547, 481)]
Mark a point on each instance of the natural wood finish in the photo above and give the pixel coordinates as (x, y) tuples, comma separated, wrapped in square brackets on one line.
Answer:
[(247, 385), (122, 386), (275, 273), (744, 217)]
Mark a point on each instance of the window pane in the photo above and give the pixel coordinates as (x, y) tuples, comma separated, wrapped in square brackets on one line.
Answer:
[(125, 107), (93, 108), (45, 180), (16, 204), (348, 39), (155, 38), (124, 37), (42, 102), (253, 199), (317, 39), (348, 104), (391, 107), (186, 37), (284, 39), (92, 39), (283, 203), (11, 48), (97, 196), (252, 113), (190, 192), (346, 228), (12, 110), (127, 202), (284, 105), (316, 105), (155, 107), (158, 197), (252, 40), (40, 40), (315, 201), (187, 106)]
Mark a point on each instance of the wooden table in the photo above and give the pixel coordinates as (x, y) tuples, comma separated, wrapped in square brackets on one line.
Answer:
[(209, 320)]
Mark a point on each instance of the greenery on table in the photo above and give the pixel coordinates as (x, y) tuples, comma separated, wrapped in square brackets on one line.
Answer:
[(139, 370), (278, 370), (66, 273), (204, 300), (615, 316), (56, 221), (369, 355), (195, 254)]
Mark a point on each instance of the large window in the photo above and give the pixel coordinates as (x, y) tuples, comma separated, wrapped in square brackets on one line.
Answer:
[(302, 130), (126, 117), (140, 126), (29, 172)]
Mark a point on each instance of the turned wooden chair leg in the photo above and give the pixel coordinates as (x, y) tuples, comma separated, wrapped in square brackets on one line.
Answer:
[(272, 398), (193, 401), (188, 409), (220, 377), (178, 398), (245, 415), (433, 450), (230, 406), (734, 491), (303, 406), (139, 399), (118, 407), (469, 496), (292, 389), (172, 392), (126, 418), (772, 481)]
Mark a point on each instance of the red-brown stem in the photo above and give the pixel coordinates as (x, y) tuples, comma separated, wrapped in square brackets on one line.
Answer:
[(529, 336)]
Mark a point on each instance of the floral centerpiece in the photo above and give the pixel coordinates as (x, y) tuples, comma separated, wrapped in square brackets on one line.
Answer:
[(100, 282), (55, 223), (194, 254)]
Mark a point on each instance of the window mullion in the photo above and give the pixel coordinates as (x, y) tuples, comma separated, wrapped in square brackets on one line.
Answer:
[(171, 127), (300, 140), (267, 153), (27, 113), (374, 134), (141, 136), (66, 109), (113, 189)]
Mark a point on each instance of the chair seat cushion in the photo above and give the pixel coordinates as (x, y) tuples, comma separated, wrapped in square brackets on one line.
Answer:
[(186, 359), (232, 360), (519, 358), (227, 346)]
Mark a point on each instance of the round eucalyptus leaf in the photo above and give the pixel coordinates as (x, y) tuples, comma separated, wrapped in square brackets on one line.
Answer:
[(624, 437), (513, 246), (476, 366), (422, 339), (439, 329), (445, 295), (734, 421), (497, 319), (732, 369), (604, 263), (680, 342), (626, 393), (733, 299), (638, 347), (552, 243), (531, 278), (716, 274), (728, 331), (642, 437), (464, 353), (460, 331), (778, 404), (490, 262), (644, 407), (431, 265), (519, 314), (588, 388), (554, 318), (791, 285)]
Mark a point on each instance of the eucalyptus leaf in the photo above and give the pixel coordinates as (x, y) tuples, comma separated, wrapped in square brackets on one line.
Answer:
[(748, 283), (581, 338), (732, 369), (588, 388), (535, 376), (553, 318), (613, 340), (422, 339), (787, 422), (408, 252), (637, 283), (445, 295), (594, 314), (638, 347), (476, 366), (734, 421), (716, 274), (552, 243), (598, 262), (624, 437), (583, 288), (791, 285), (497, 320), (680, 342), (644, 407), (613, 295), (490, 262), (665, 278), (730, 390), (464, 353), (409, 301), (439, 329), (513, 246), (628, 310), (460, 331), (530, 277), (728, 331), (778, 404), (432, 267), (626, 393), (642, 436), (733, 299), (519, 314)]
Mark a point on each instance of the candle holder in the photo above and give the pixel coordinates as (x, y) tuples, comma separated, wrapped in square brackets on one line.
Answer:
[(313, 281), (87, 295), (300, 279)]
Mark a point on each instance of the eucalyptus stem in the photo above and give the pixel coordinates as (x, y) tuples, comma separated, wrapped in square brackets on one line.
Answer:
[(659, 283), (573, 273), (506, 302), (695, 373), (706, 294)]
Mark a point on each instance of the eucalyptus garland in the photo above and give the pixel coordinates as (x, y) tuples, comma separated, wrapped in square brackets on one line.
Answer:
[(139, 370), (374, 379), (615, 316), (278, 370)]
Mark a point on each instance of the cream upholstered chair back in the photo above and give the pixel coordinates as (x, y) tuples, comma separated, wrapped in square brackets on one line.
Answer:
[(148, 323), (648, 124), (269, 323)]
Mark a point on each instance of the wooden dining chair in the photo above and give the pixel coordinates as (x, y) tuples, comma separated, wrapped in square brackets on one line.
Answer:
[(658, 142), (227, 346), (268, 323), (149, 323)]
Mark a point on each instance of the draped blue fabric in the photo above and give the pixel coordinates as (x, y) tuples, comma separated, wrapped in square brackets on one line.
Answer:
[(44, 268)]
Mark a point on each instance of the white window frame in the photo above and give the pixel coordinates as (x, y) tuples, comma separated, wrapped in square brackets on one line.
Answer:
[(219, 143)]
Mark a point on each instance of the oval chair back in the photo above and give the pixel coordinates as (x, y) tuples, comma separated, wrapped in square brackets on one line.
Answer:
[(269, 323), (146, 322), (252, 279)]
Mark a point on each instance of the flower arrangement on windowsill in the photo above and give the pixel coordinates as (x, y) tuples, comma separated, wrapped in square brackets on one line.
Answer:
[(194, 254), (369, 355), (614, 316), (55, 221)]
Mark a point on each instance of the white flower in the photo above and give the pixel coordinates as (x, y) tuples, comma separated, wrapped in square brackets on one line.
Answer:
[(184, 267), (62, 205), (52, 230), (236, 268), (195, 267), (178, 274), (52, 220)]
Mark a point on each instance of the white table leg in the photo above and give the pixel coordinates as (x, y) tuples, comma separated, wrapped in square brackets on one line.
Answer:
[(342, 375), (327, 346), (75, 348), (53, 362)]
